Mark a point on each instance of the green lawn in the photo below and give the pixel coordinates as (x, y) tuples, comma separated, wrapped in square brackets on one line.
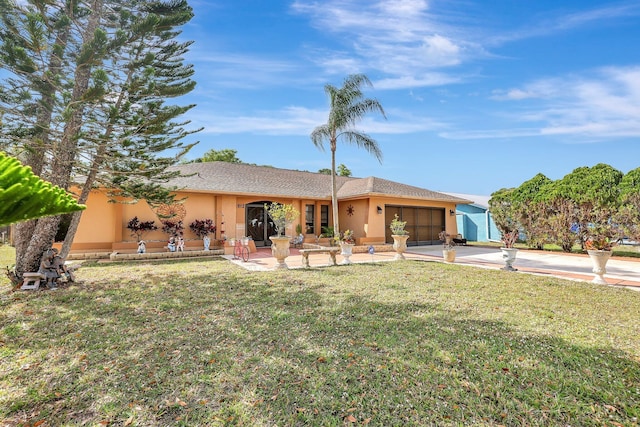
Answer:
[(206, 343)]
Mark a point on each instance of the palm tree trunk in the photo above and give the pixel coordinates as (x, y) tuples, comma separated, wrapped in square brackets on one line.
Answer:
[(334, 193)]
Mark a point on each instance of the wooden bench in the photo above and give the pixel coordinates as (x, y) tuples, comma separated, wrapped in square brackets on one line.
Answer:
[(306, 252), (31, 281)]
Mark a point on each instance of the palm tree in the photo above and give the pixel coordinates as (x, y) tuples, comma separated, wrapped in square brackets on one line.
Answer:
[(348, 106)]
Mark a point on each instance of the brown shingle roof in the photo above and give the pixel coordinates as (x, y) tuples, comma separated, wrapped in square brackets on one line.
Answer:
[(240, 178), (378, 186)]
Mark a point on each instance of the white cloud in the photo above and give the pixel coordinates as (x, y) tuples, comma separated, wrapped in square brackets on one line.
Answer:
[(407, 8), (295, 120), (603, 104), (490, 134), (407, 82), (556, 23), (399, 38), (244, 71)]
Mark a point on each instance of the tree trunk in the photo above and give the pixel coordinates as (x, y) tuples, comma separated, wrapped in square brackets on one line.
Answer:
[(334, 194), (36, 148), (64, 156)]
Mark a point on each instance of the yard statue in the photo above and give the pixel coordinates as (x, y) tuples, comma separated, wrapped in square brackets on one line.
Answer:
[(48, 269), (172, 244)]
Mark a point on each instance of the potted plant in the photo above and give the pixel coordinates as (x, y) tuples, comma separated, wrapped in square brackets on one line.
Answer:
[(509, 253), (504, 215), (347, 242), (202, 228), (400, 236), (599, 242), (282, 216), (328, 233), (448, 247)]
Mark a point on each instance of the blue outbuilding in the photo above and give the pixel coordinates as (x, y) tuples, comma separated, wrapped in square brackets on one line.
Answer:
[(474, 220)]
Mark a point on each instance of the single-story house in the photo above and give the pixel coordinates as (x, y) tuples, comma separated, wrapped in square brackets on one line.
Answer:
[(233, 195), (474, 220)]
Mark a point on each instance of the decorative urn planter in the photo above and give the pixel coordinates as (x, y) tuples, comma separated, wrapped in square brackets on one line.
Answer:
[(449, 255), (599, 259), (400, 245), (280, 250), (509, 257), (347, 251)]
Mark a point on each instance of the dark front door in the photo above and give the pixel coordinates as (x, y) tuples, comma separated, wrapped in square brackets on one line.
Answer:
[(259, 226)]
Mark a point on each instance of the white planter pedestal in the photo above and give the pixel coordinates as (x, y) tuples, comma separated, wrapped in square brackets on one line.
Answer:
[(509, 257), (399, 245), (449, 255), (347, 251), (280, 250), (599, 259)]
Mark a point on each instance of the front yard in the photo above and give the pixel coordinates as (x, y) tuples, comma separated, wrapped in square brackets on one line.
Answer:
[(201, 343)]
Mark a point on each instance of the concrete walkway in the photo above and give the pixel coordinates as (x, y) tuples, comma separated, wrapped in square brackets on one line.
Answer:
[(620, 271)]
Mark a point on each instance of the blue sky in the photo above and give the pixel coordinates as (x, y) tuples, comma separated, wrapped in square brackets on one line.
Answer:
[(479, 95)]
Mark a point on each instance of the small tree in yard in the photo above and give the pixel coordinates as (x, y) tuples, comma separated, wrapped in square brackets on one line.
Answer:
[(282, 215), (139, 228)]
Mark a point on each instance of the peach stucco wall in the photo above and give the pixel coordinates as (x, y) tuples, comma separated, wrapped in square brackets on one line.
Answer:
[(103, 225)]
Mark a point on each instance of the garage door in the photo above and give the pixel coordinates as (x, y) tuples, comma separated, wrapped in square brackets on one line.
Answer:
[(423, 224)]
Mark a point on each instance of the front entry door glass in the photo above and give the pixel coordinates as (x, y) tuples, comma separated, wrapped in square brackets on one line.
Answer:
[(259, 225)]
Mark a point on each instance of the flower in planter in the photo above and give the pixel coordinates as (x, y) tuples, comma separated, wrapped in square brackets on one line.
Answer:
[(599, 243), (602, 237), (447, 242), (397, 226), (347, 237)]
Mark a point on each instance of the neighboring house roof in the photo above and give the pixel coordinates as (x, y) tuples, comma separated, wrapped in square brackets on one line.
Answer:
[(477, 200), (240, 178)]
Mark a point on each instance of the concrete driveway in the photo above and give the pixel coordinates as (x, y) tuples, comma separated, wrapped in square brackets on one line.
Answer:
[(620, 271)]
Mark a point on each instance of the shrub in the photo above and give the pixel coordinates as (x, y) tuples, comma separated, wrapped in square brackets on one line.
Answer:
[(202, 227), (138, 228)]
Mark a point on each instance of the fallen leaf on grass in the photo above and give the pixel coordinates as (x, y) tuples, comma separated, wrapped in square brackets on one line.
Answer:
[(351, 419)]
